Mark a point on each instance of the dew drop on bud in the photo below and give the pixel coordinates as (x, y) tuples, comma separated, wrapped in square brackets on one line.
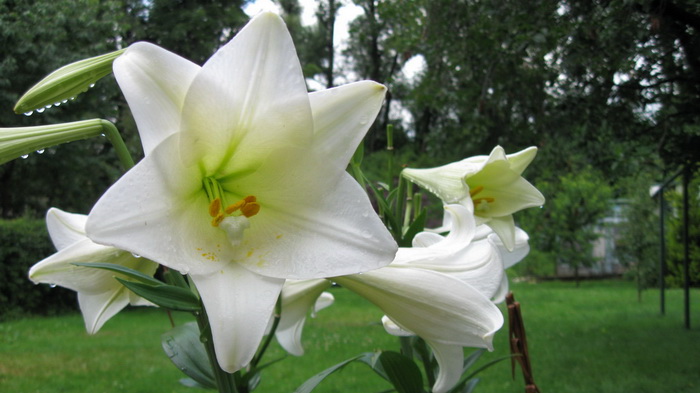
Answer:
[(25, 156), (28, 113), (52, 285), (40, 110), (136, 255), (40, 151)]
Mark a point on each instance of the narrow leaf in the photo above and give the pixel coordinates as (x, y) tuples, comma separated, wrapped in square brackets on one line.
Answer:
[(128, 272), (312, 382), (416, 226), (167, 296)]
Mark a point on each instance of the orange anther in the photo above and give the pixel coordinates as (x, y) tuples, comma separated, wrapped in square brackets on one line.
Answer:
[(250, 209), (475, 190), (217, 220), (215, 207), (250, 199)]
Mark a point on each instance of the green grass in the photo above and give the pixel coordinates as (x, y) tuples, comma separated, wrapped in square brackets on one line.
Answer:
[(596, 338)]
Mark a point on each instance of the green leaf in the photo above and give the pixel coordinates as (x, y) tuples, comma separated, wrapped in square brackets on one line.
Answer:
[(471, 359), (416, 226), (312, 382), (173, 277), (402, 372), (185, 350), (67, 82), (128, 272), (167, 296)]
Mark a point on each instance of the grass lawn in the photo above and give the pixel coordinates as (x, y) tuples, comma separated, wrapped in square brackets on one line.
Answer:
[(596, 338)]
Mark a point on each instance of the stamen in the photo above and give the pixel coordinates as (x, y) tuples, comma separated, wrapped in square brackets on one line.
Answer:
[(215, 207), (485, 199), (232, 208), (217, 220), (250, 199), (475, 191), (250, 209)]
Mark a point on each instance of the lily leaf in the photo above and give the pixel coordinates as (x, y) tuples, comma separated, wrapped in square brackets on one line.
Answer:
[(402, 372), (131, 273), (312, 382), (167, 296), (185, 350), (416, 226)]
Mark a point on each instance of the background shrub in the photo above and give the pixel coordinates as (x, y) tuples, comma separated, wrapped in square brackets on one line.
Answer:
[(23, 242)]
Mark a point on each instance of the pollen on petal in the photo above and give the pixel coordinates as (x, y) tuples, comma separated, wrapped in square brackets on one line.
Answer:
[(215, 207), (250, 209)]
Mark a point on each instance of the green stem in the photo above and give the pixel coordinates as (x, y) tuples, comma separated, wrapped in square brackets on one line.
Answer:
[(268, 339), (224, 381), (115, 138)]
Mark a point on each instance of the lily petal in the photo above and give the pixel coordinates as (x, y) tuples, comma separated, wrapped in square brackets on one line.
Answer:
[(520, 160), (450, 360), (432, 305), (298, 297), (237, 98), (342, 115), (65, 228), (99, 308), (154, 83), (239, 305)]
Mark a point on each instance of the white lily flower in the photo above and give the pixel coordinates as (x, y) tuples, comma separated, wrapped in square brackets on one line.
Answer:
[(100, 296), (298, 297), (477, 262), (244, 185), (447, 313), (492, 184)]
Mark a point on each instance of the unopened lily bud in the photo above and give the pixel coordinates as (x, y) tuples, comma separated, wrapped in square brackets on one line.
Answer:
[(66, 83)]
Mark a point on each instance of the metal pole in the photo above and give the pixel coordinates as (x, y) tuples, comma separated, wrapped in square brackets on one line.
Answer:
[(686, 240), (662, 250)]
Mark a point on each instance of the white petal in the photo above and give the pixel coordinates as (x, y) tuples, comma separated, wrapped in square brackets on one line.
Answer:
[(249, 97), (450, 359), (432, 305), (324, 301), (326, 229), (395, 330), (520, 160), (98, 308), (342, 115), (298, 297), (520, 249), (65, 228), (500, 295), (154, 82), (505, 229), (239, 305), (159, 211)]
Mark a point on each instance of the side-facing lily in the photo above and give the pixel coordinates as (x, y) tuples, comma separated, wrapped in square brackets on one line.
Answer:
[(100, 296), (244, 184), (446, 312), (492, 184)]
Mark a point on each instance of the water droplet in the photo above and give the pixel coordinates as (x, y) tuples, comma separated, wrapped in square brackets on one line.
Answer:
[(40, 151), (136, 255), (64, 101), (541, 207), (92, 85), (48, 106), (52, 285), (102, 134), (25, 156), (40, 110), (56, 104), (28, 113)]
